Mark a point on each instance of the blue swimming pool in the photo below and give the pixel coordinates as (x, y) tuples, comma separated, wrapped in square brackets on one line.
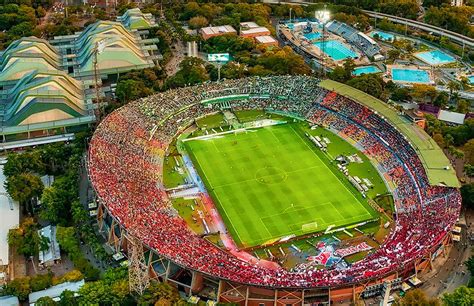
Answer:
[(435, 57), (410, 75), (382, 35), (366, 70), (471, 79), (335, 49), (290, 26), (312, 35)]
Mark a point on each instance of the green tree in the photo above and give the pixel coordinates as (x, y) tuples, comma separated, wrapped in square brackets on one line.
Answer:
[(158, 291), (18, 163), (41, 281), (56, 200), (192, 71), (45, 301), (198, 22), (19, 287), (463, 106), (416, 297), (26, 240), (24, 187), (370, 83), (467, 194), (67, 299), (469, 170), (462, 296), (128, 90)]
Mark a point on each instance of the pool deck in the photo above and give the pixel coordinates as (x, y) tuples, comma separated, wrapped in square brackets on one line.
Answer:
[(388, 75), (297, 39), (418, 56)]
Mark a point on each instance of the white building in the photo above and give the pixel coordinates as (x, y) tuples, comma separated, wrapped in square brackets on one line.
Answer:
[(9, 218), (50, 256)]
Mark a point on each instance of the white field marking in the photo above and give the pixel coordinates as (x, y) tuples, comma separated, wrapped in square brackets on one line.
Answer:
[(337, 179)]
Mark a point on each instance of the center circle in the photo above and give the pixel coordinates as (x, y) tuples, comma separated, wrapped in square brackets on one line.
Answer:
[(270, 175)]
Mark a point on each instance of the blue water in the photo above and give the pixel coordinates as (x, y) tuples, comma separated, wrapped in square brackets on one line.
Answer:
[(335, 49), (471, 79), (383, 35), (312, 35), (435, 57), (410, 75), (366, 70), (290, 26)]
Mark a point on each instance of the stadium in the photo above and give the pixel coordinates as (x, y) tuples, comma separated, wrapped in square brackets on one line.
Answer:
[(274, 190)]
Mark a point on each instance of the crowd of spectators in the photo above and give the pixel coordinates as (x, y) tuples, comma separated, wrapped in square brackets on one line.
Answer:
[(125, 166)]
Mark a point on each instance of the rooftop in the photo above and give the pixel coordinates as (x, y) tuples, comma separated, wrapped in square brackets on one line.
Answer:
[(266, 39), (225, 29)]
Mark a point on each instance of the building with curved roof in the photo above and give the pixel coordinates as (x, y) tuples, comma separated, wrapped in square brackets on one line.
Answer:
[(26, 55), (40, 97), (134, 19), (120, 50)]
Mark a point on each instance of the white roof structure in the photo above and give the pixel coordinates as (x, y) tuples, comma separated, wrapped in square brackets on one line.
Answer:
[(267, 39), (451, 117), (52, 253), (254, 31), (9, 300), (226, 29), (249, 25), (55, 291), (368, 38), (9, 218)]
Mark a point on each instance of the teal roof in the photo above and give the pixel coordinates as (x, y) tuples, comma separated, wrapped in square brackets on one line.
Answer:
[(26, 55), (134, 19), (123, 50)]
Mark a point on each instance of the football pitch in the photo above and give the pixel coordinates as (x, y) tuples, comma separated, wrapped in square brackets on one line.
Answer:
[(268, 183)]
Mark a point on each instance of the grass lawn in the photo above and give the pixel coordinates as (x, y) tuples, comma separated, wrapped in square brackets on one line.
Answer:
[(272, 182)]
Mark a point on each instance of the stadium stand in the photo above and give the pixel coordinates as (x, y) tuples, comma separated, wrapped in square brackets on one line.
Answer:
[(363, 42), (126, 157)]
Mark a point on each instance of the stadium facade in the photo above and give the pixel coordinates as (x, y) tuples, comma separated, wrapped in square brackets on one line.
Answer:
[(48, 87), (131, 202)]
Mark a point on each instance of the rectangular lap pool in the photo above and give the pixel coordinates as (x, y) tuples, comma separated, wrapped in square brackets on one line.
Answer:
[(435, 57), (366, 70), (411, 75), (312, 35), (382, 35), (335, 49)]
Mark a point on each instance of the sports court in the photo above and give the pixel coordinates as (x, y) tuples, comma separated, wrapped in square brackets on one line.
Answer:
[(270, 182)]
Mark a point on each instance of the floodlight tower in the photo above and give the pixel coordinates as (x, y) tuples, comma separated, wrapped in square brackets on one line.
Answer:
[(98, 49), (323, 17)]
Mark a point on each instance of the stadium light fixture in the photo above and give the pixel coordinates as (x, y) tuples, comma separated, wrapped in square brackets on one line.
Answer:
[(323, 16)]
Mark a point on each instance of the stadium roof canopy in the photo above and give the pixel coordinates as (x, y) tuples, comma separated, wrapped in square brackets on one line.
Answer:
[(134, 19), (435, 162)]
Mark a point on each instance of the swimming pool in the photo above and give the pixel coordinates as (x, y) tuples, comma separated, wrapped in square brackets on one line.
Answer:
[(366, 70), (471, 79), (335, 49), (383, 35), (312, 35), (410, 75), (435, 57)]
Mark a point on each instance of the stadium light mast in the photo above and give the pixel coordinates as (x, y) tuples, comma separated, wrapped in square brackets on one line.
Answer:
[(323, 17), (98, 49)]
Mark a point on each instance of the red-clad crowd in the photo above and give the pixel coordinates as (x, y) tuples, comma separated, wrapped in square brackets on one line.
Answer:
[(126, 157)]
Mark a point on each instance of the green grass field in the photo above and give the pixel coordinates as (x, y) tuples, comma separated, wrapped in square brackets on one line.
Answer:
[(271, 182)]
